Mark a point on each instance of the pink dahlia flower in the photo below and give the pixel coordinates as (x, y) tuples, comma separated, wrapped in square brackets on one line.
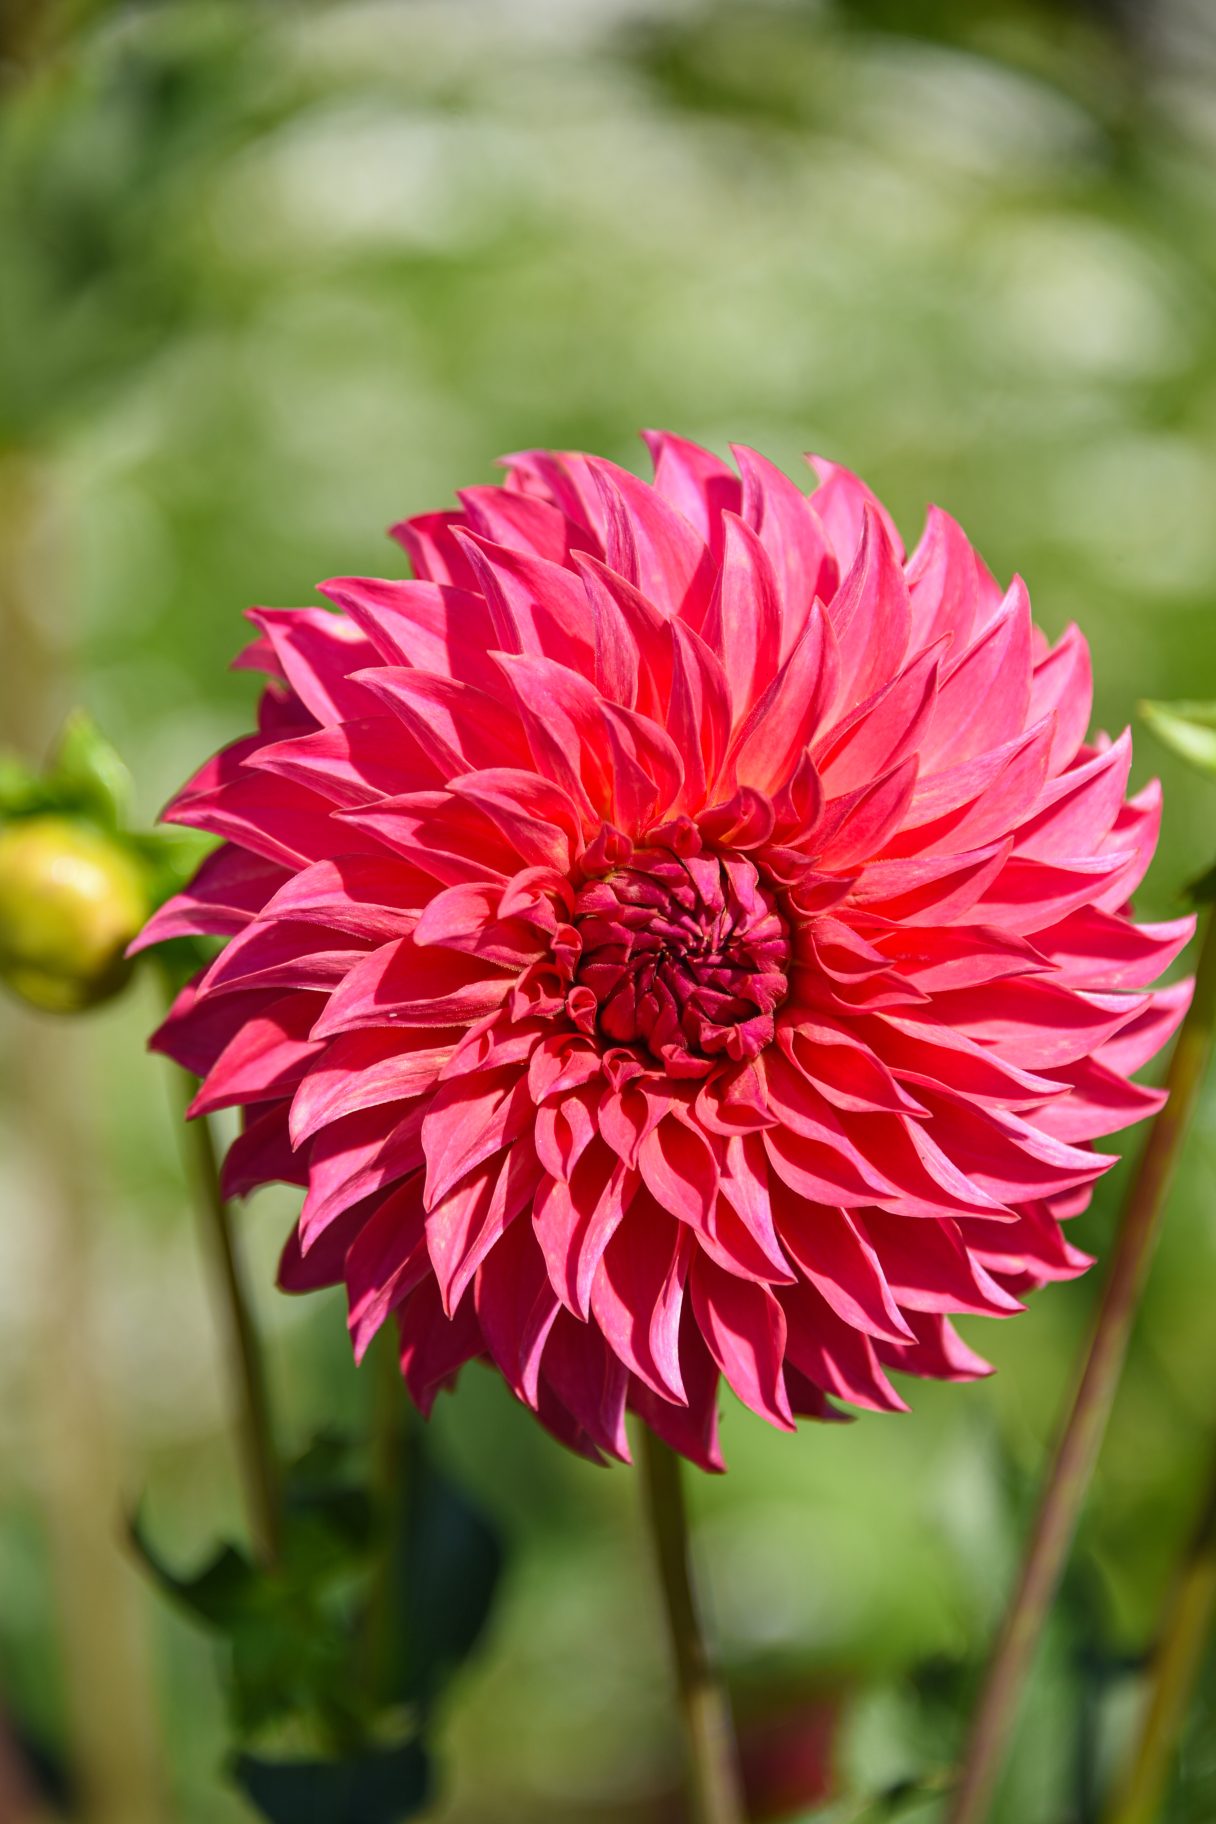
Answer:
[(674, 937)]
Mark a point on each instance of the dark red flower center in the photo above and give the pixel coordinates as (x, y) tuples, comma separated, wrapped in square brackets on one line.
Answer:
[(686, 955)]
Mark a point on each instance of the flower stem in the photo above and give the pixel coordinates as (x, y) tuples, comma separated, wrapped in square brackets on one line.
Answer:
[(1076, 1452), (259, 1463), (1176, 1665), (389, 1469), (714, 1790)]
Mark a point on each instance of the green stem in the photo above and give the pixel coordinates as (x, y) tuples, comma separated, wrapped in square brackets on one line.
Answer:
[(1176, 1667), (259, 1463), (390, 1439), (714, 1790), (1076, 1453)]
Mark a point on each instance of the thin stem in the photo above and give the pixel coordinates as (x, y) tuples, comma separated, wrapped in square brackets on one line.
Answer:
[(390, 1440), (714, 1790), (1184, 1637), (259, 1462), (1076, 1453)]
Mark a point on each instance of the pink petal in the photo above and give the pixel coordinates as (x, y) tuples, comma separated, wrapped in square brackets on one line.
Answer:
[(744, 1327), (468, 1119), (265, 1060), (943, 583), (467, 1222), (386, 1261), (789, 529), (640, 1279), (699, 485), (401, 985), (366, 1069), (788, 715), (871, 616), (835, 1256)]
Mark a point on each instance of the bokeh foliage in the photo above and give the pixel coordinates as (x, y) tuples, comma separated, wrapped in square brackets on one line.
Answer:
[(274, 275)]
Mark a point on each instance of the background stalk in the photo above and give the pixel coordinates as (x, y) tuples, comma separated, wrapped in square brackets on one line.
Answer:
[(714, 1789), (1179, 1657), (110, 1732), (1076, 1453), (251, 1404)]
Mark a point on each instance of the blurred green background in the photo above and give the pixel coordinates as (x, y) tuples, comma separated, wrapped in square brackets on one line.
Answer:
[(274, 275)]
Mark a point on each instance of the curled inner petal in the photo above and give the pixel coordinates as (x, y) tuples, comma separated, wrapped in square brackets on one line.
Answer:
[(687, 956)]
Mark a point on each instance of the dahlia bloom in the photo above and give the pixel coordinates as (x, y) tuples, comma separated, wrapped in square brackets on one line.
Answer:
[(675, 937)]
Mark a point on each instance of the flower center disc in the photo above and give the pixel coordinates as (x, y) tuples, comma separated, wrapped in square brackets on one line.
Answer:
[(687, 955)]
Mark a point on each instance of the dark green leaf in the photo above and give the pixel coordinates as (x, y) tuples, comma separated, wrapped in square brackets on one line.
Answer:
[(292, 1630), (379, 1786), (329, 1526), (222, 1595), (448, 1560)]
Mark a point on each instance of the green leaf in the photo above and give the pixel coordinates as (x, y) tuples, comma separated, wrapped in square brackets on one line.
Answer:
[(21, 791), (222, 1595), (329, 1526), (86, 773), (447, 1563), (377, 1786), (1202, 891), (292, 1630), (1188, 728)]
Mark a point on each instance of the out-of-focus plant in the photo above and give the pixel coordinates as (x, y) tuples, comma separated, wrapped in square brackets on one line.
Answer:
[(340, 1650), (108, 116)]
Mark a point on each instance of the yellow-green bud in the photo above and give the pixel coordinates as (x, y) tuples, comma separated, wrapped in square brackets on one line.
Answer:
[(71, 900)]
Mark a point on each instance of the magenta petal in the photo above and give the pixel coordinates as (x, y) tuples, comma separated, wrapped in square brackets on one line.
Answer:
[(700, 486), (835, 1357), (928, 1267), (679, 1169), (516, 1308), (788, 716), (985, 698), (691, 1427), (262, 1154), (384, 1263), (325, 1263), (469, 1118), (575, 1221), (743, 624), (463, 1227), (1062, 687), (943, 582), (435, 1347), (231, 886), (590, 1382), (640, 1276), (744, 1326), (790, 530), (402, 985), (835, 1256), (871, 616), (366, 1153), (265, 1060)]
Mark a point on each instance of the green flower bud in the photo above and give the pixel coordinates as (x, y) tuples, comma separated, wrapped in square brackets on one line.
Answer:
[(71, 900)]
